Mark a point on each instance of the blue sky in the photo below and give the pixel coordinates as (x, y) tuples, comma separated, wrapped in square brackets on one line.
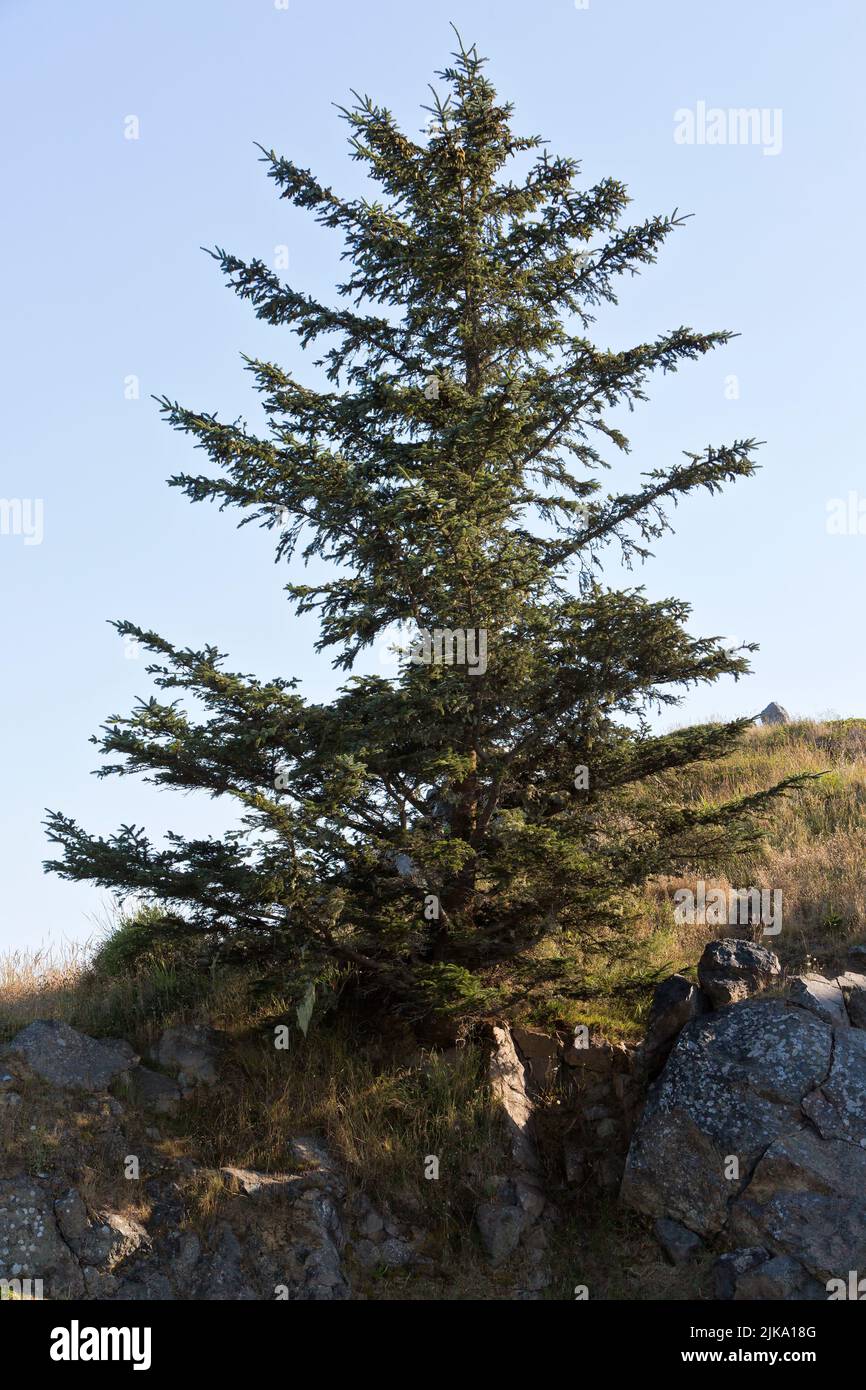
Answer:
[(104, 280)]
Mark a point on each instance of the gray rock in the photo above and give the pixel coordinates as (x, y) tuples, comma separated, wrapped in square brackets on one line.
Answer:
[(838, 1106), (574, 1162), (732, 1085), (112, 1241), (366, 1252), (774, 714), (219, 1273), (262, 1186), (778, 1278), (822, 996), (508, 1087), (72, 1217), (316, 1250), (317, 1164), (518, 1200), (98, 1285), (69, 1059), (540, 1053), (281, 1230), (31, 1244), (807, 1199), (396, 1253), (149, 1285), (679, 1244), (500, 1226), (368, 1221), (104, 1241), (730, 1267), (194, 1050), (853, 989), (676, 1001), (530, 1198), (731, 969), (153, 1091)]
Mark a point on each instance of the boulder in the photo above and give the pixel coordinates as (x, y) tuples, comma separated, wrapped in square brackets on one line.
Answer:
[(500, 1225), (194, 1050), (679, 1244), (730, 1268), (774, 714), (153, 1091), (779, 1089), (66, 1058), (733, 1084), (731, 969)]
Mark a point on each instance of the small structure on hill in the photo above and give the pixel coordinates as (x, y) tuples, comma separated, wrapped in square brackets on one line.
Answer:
[(774, 714)]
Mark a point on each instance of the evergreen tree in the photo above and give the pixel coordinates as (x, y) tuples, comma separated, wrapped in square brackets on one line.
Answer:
[(424, 834)]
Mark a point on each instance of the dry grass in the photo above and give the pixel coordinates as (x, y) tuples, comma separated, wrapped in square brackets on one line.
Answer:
[(813, 852), (814, 847)]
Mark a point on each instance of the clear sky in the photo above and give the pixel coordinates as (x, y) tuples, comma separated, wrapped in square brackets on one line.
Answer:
[(104, 281)]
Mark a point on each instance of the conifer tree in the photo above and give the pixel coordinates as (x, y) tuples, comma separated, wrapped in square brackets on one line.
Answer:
[(429, 834)]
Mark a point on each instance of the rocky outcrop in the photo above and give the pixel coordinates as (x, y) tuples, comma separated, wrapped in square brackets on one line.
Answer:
[(277, 1236), (754, 1137), (64, 1057), (733, 1084), (31, 1243), (516, 1200), (774, 714)]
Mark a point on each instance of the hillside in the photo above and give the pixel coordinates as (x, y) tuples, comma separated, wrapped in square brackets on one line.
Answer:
[(372, 1102)]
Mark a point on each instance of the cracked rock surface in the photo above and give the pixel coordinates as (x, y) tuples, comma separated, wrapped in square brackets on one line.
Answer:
[(754, 1136)]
